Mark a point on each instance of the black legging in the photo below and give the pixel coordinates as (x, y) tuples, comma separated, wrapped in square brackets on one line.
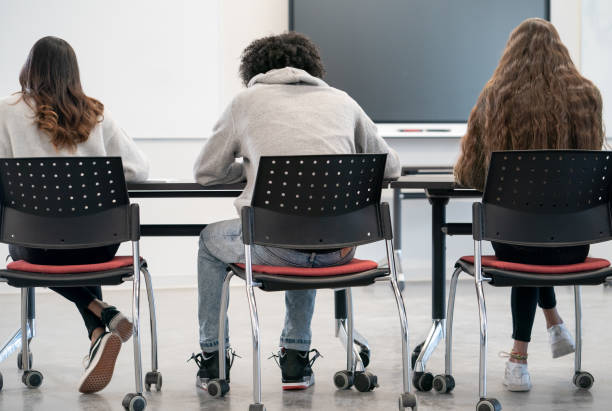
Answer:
[(80, 296), (524, 300)]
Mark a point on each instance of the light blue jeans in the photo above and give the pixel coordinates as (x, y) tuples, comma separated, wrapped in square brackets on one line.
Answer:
[(220, 244)]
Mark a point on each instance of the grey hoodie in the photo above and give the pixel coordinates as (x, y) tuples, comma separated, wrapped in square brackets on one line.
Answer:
[(286, 112)]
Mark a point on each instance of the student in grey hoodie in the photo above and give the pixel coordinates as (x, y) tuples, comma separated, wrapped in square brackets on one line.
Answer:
[(52, 117), (286, 109)]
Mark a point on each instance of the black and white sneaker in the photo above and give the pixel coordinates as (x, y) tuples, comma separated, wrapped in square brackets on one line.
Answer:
[(296, 368), (208, 364), (100, 363), (117, 323)]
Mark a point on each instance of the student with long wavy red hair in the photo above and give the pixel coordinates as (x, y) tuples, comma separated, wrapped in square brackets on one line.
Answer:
[(536, 99), (51, 116)]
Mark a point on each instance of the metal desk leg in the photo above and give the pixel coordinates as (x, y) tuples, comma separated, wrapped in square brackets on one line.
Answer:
[(14, 343), (397, 236), (423, 381)]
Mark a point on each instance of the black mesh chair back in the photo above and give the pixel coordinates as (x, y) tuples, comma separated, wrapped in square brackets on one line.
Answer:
[(548, 197), (311, 203), (317, 201), (65, 202)]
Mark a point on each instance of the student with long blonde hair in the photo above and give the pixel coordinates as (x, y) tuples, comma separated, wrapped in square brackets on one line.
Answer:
[(536, 99)]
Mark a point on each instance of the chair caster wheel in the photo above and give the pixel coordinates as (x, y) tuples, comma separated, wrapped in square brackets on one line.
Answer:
[(365, 381), (443, 383), (20, 361), (415, 354), (407, 401), (423, 381), (32, 378), (488, 404), (583, 380), (257, 407), (364, 354), (344, 380), (134, 402), (153, 378), (217, 388)]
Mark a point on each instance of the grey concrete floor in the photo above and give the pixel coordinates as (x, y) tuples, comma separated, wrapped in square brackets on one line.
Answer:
[(61, 344)]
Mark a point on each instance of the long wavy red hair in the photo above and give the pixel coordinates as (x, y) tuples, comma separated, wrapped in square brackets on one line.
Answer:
[(51, 86), (536, 99)]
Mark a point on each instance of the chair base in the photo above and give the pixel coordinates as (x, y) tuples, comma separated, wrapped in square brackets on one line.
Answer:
[(27, 281), (506, 278)]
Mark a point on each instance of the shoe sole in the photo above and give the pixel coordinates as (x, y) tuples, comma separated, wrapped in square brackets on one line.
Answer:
[(122, 327), (202, 383), (98, 375), (561, 349), (517, 388), (298, 385)]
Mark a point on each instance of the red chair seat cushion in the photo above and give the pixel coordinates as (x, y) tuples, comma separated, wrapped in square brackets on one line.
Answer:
[(589, 264), (354, 266), (115, 263)]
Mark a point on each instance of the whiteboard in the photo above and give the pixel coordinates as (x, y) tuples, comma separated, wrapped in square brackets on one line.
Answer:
[(597, 51), (154, 64)]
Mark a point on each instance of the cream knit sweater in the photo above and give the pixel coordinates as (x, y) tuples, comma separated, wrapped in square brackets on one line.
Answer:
[(20, 137)]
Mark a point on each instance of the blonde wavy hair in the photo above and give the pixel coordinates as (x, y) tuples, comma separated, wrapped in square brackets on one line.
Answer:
[(536, 99)]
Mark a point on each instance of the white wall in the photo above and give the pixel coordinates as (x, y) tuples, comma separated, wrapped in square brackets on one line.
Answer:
[(566, 16), (242, 22), (154, 64), (596, 51)]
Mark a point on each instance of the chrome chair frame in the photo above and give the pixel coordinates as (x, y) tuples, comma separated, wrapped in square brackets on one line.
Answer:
[(353, 360), (479, 279), (326, 181), (543, 213), (22, 338)]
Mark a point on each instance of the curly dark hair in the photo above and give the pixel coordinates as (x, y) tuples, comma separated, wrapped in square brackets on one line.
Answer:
[(289, 49)]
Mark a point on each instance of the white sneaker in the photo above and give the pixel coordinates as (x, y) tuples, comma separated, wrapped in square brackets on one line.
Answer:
[(516, 377), (561, 341)]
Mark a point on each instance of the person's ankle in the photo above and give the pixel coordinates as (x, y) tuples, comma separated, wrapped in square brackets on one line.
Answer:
[(517, 357), (96, 333), (516, 361), (552, 317)]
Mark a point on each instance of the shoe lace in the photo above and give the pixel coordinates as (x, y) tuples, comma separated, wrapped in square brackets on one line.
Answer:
[(199, 358), (232, 356), (310, 361), (314, 358), (86, 361), (277, 357)]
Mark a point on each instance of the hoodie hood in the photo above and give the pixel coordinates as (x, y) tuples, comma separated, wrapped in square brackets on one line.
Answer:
[(287, 75)]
